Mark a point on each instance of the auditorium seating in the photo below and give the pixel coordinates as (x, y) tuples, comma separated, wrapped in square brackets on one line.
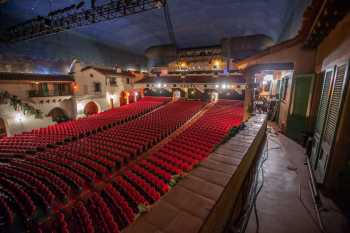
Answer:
[(39, 139), (105, 169)]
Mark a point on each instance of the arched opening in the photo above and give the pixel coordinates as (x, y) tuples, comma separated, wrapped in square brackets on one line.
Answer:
[(194, 93), (3, 132), (123, 98), (58, 115), (131, 97), (176, 95), (90, 108), (214, 96)]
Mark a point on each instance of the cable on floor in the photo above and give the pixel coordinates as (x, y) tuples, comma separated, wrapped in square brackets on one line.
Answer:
[(318, 224)]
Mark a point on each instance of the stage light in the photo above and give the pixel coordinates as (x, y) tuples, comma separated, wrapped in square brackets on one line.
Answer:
[(76, 16)]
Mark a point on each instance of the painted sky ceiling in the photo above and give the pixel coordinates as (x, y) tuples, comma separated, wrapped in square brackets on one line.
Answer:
[(196, 22)]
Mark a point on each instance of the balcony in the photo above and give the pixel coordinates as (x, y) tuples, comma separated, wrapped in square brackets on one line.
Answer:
[(53, 93)]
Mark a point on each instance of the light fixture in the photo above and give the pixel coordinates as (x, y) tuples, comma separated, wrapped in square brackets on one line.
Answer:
[(19, 117), (217, 86), (158, 85), (217, 63), (80, 107)]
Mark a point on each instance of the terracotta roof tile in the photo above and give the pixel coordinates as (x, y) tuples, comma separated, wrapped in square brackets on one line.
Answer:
[(193, 79), (9, 76)]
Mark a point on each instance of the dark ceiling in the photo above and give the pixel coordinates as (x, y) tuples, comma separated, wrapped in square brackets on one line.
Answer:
[(196, 22)]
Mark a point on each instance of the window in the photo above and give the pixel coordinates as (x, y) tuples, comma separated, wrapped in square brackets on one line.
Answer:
[(97, 87), (113, 81), (174, 85)]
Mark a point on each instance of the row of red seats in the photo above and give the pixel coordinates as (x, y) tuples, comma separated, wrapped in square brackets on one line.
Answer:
[(59, 133), (50, 178), (144, 181), (190, 147)]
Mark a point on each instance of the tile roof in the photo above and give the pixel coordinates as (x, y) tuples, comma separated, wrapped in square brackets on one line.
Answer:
[(109, 71), (193, 79), (9, 76)]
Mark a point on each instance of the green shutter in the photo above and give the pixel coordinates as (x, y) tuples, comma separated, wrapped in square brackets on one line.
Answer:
[(335, 104), (322, 110)]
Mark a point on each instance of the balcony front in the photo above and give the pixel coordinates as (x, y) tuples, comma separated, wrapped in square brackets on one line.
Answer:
[(49, 93)]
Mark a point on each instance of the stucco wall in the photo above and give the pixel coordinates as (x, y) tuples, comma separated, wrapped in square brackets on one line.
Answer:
[(335, 47), (17, 122), (26, 122), (303, 59)]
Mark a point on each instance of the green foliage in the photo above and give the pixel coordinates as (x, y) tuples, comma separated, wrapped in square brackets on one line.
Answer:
[(176, 178), (233, 131), (17, 104), (142, 208)]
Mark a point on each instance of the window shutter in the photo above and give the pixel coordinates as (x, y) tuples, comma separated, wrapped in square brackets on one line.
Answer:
[(335, 104), (321, 117)]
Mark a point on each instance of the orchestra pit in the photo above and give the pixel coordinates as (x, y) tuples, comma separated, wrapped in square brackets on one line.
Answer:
[(174, 116)]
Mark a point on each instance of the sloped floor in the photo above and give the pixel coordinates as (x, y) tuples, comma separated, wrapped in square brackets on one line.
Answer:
[(285, 203)]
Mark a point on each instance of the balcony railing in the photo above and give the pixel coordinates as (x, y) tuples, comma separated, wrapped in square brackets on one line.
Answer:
[(35, 93)]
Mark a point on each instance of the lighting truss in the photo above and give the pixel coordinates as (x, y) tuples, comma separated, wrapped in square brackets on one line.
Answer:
[(74, 16)]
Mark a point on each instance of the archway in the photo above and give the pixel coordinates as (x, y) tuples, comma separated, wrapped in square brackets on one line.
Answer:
[(90, 108), (214, 96), (176, 95), (58, 115), (131, 97), (3, 132), (124, 98)]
